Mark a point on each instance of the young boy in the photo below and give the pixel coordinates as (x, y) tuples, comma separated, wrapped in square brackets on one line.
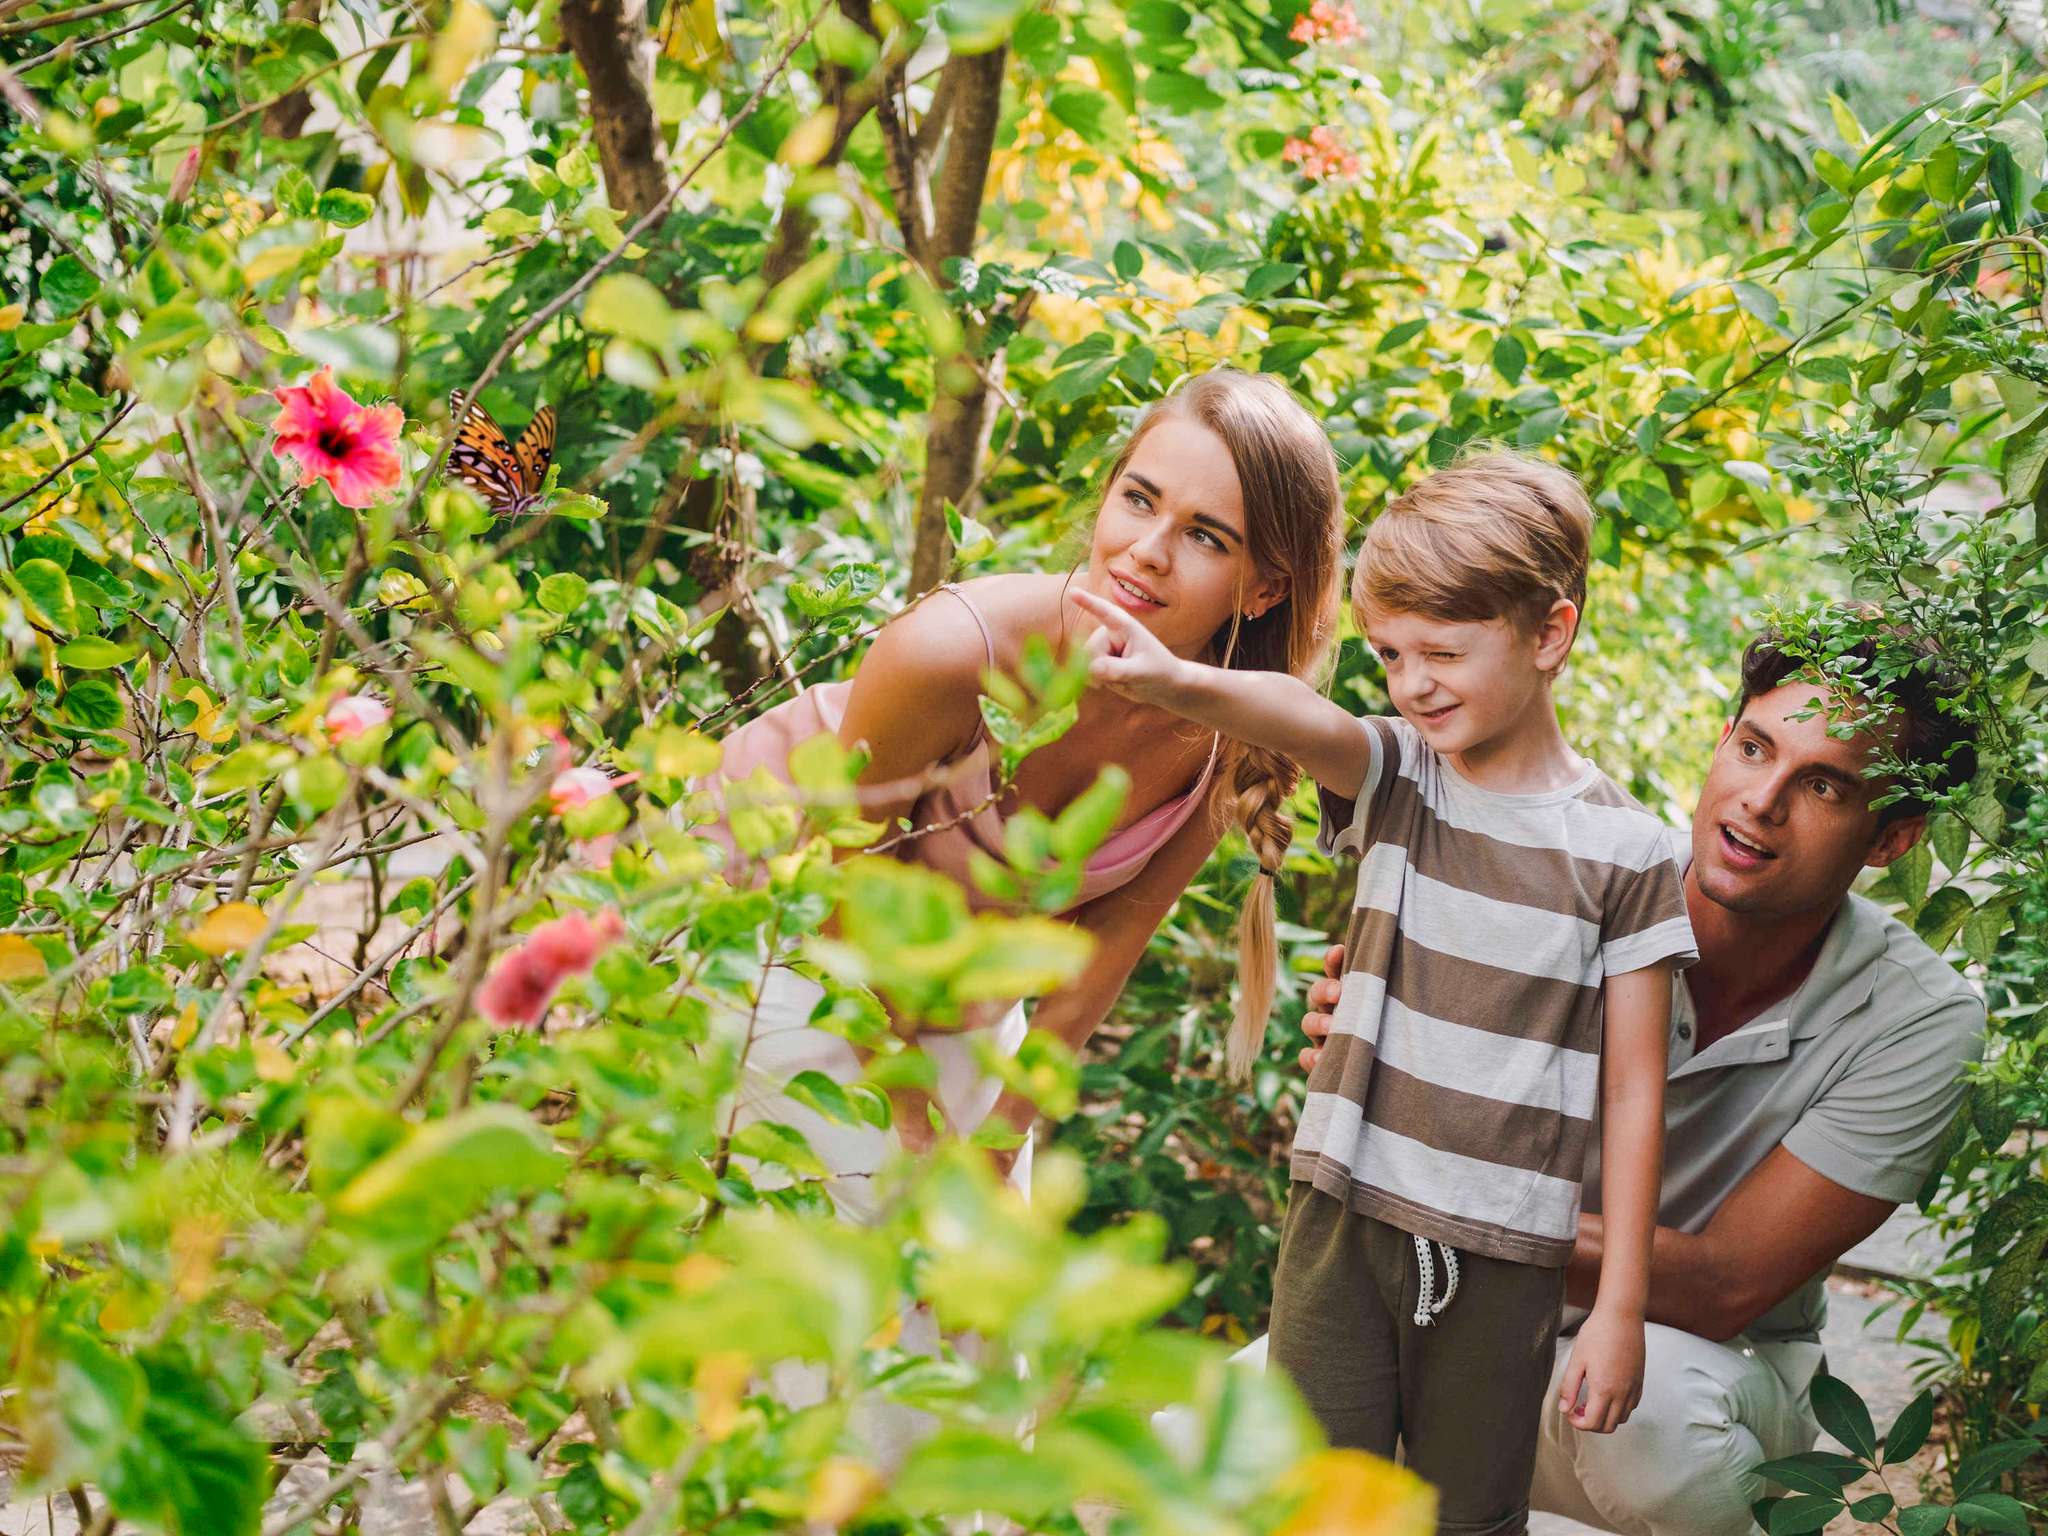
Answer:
[(1512, 900)]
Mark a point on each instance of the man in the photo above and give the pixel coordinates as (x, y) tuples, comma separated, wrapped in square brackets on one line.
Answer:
[(1816, 1053)]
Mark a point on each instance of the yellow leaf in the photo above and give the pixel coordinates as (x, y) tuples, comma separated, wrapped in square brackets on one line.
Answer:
[(195, 1245), (11, 316), (841, 1490), (808, 141), (20, 960), (721, 1382), (469, 35), (682, 754), (228, 927), (273, 1063), (1351, 1493), (186, 1027)]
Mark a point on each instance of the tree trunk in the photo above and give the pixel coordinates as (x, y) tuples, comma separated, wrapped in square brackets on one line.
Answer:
[(960, 408), (611, 41), (286, 116)]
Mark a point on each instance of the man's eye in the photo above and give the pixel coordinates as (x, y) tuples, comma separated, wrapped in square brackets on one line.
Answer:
[(1749, 749), (1824, 789)]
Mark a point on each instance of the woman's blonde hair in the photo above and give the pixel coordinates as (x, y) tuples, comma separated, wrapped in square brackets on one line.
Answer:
[(1294, 531), (1497, 535)]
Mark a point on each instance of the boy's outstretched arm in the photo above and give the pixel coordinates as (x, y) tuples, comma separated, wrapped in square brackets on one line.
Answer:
[(1272, 710), (1606, 1366)]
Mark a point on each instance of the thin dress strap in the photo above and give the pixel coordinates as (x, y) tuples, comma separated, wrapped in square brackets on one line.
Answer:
[(988, 645)]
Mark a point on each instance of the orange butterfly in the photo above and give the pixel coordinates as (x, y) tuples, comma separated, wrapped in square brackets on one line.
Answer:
[(506, 474)]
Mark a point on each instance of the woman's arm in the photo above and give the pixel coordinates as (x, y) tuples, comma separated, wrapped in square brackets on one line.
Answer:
[(915, 700)]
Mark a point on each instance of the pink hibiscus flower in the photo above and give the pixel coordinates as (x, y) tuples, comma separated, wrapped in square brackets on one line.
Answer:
[(519, 986), (354, 448), (1326, 22), (354, 713), (1322, 156)]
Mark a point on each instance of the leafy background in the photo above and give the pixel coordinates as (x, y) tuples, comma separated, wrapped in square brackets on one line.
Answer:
[(832, 303)]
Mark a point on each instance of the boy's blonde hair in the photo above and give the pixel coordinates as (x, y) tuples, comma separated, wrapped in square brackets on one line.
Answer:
[(1497, 535)]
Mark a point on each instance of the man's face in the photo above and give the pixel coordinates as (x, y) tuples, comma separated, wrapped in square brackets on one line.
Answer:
[(1784, 823)]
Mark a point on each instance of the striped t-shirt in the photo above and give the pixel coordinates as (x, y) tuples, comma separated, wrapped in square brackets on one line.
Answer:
[(1459, 1088)]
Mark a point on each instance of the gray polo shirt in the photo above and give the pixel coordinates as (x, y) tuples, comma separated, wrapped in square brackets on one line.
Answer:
[(1857, 1074)]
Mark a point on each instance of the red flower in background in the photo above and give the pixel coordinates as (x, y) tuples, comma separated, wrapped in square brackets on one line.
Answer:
[(518, 988), (354, 448), (1322, 156), (1325, 22)]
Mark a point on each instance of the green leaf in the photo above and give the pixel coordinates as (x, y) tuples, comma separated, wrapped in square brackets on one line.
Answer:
[(1510, 357), (1909, 1431), (1811, 1472), (90, 653), (1984, 1469), (338, 205), (563, 592), (1127, 260), (1923, 1520), (1993, 1111), (1944, 913), (1088, 112), (1873, 1508), (625, 304), (2010, 1284), (1540, 428), (445, 1170), (1269, 277), (169, 331), (1802, 1513), (1089, 818), (68, 286), (1985, 927), (47, 589), (94, 703), (2015, 1211), (1178, 91), (1842, 1414), (1999, 1512), (1760, 302), (975, 26)]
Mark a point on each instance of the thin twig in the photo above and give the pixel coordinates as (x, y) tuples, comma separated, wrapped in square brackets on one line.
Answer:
[(98, 438), (80, 44), (82, 13)]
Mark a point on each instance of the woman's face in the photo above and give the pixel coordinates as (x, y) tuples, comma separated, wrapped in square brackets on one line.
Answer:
[(1169, 545)]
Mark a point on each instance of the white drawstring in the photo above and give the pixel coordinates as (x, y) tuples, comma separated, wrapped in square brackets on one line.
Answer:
[(1427, 1308)]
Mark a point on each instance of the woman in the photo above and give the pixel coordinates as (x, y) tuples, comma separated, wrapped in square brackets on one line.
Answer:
[(1221, 532)]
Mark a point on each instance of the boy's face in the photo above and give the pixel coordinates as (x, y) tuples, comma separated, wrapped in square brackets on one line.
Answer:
[(1784, 823), (1463, 683)]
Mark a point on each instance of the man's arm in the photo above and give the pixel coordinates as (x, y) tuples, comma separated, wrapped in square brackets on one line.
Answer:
[(1777, 1228)]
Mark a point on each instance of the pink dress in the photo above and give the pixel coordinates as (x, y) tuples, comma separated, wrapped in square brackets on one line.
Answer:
[(783, 1042)]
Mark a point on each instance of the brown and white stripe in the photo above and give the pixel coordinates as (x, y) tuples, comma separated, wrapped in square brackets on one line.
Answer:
[(1456, 1097)]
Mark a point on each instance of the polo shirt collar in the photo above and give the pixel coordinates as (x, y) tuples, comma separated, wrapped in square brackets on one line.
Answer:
[(1843, 974)]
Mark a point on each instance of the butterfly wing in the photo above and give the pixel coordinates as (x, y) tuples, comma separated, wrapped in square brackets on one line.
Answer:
[(536, 446), (482, 457)]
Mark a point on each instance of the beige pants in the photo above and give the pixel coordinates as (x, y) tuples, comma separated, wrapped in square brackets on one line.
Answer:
[(1681, 1465)]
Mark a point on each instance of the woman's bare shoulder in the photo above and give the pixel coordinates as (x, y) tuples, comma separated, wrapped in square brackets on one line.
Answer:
[(1015, 606)]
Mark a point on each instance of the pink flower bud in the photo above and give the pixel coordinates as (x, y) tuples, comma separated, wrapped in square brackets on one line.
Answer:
[(186, 177), (354, 713), (519, 986)]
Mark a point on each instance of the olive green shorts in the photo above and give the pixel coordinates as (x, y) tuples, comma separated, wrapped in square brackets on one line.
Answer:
[(1461, 1396)]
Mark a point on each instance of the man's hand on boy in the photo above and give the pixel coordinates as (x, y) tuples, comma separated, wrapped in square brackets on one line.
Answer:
[(1322, 1001), (1603, 1380)]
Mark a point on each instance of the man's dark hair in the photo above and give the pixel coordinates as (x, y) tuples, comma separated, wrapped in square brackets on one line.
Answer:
[(1940, 744)]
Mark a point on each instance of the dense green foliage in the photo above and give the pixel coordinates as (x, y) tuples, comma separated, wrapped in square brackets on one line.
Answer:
[(275, 1188)]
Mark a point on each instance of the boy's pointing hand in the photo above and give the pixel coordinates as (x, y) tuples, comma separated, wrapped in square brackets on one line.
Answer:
[(1127, 658)]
